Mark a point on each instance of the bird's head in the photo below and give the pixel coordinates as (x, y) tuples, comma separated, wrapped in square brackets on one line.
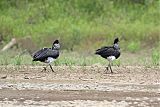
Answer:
[(116, 45), (116, 40), (56, 45)]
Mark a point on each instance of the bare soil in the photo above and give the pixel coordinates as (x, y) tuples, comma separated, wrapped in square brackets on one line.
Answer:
[(80, 86)]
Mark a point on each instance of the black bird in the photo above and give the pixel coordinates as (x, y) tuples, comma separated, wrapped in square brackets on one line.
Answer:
[(48, 55), (110, 52)]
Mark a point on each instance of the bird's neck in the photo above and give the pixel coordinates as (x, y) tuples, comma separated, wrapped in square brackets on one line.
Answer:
[(116, 46), (55, 48)]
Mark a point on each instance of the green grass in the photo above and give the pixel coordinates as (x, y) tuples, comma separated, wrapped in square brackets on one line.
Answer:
[(156, 57), (67, 58), (81, 24), (133, 47)]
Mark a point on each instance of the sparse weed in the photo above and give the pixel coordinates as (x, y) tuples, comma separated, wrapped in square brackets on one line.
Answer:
[(156, 57), (4, 59), (76, 59), (133, 47), (117, 62), (18, 60)]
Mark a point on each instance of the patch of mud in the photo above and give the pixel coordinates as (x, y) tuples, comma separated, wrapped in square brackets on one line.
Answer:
[(77, 86), (76, 103), (86, 85), (124, 74), (77, 98)]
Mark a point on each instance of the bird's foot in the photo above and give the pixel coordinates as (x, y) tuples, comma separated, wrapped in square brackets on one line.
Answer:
[(53, 71), (51, 68), (106, 69), (44, 69)]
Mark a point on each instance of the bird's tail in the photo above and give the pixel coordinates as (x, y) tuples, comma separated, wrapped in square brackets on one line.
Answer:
[(97, 51), (34, 59)]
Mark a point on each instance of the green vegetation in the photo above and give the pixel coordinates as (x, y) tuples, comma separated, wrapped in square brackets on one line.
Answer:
[(18, 60), (133, 47), (67, 58), (81, 24), (156, 57)]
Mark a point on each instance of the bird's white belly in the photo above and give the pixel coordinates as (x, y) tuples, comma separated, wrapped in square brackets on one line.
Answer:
[(49, 60), (111, 58)]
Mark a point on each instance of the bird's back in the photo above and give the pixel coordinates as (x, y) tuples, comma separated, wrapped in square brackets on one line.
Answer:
[(108, 51), (44, 53), (37, 53)]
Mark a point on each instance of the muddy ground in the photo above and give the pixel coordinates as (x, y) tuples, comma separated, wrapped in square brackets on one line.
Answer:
[(78, 86)]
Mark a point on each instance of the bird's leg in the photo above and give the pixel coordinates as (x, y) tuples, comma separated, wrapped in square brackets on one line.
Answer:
[(44, 68), (110, 67), (51, 67), (106, 68)]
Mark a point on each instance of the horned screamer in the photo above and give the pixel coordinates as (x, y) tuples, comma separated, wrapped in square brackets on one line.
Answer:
[(48, 55), (110, 52)]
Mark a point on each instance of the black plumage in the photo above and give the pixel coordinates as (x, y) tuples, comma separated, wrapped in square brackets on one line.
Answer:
[(44, 53), (47, 55), (110, 52)]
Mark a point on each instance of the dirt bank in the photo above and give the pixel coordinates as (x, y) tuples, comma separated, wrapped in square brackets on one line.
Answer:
[(80, 86)]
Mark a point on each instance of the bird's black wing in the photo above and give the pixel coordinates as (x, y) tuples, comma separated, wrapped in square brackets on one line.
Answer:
[(37, 53), (104, 48), (106, 51), (47, 53)]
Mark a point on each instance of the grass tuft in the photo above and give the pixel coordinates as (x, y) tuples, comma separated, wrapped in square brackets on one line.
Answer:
[(18, 60), (133, 47), (156, 57)]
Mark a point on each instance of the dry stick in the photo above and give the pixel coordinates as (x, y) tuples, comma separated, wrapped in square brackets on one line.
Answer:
[(9, 45)]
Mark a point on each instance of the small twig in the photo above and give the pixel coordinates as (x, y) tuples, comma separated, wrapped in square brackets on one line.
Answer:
[(9, 45)]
